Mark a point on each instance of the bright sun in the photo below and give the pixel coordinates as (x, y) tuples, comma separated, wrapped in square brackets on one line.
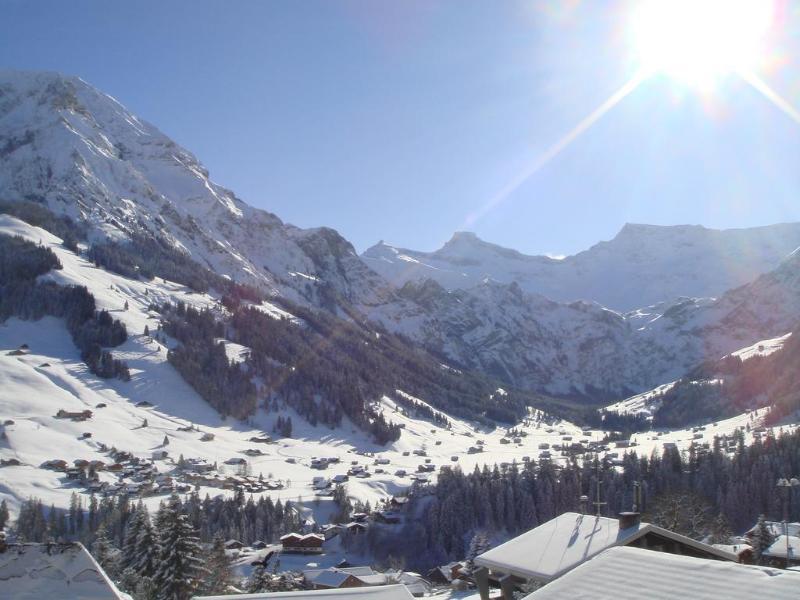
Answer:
[(700, 41)]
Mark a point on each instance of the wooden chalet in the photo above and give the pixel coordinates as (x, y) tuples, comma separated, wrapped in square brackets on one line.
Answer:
[(310, 543)]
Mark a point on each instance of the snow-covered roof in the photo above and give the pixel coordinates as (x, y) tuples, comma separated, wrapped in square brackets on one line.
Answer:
[(778, 547), (553, 548), (382, 592), (625, 573), (733, 548), (777, 528), (312, 574), (332, 578), (36, 571)]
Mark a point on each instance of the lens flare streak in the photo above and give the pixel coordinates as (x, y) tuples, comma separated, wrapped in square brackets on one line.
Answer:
[(557, 147), (761, 86)]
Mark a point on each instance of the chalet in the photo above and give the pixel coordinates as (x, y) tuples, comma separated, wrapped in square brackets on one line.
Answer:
[(55, 464), (547, 552), (624, 573), (237, 460), (355, 528), (310, 543), (360, 517), (445, 574), (53, 571), (398, 502), (233, 545), (259, 545), (207, 437), (744, 552), (159, 454), (74, 415), (777, 552), (341, 578), (413, 582), (253, 452), (387, 516), (261, 440), (382, 592), (400, 473), (330, 530), (9, 462)]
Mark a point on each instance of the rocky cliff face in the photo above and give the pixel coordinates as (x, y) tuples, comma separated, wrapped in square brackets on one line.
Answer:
[(533, 321)]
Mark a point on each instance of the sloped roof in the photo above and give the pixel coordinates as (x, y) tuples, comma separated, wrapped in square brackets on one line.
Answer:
[(312, 574), (553, 548), (36, 571), (556, 546), (382, 592), (778, 547), (625, 573), (776, 528), (332, 578)]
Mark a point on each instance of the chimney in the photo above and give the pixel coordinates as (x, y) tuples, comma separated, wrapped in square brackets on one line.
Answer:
[(629, 519), (584, 504)]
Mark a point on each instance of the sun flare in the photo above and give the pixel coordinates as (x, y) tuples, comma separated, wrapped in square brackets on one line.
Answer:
[(700, 41)]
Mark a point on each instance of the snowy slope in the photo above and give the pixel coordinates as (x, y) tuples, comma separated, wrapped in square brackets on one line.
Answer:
[(84, 155), (642, 265), (583, 348), (50, 376)]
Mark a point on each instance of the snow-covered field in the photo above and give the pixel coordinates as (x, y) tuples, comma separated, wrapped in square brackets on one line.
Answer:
[(49, 376)]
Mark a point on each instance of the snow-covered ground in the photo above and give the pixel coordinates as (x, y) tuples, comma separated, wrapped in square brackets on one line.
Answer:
[(50, 376)]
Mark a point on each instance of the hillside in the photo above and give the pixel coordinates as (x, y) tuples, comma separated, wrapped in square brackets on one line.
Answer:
[(82, 154)]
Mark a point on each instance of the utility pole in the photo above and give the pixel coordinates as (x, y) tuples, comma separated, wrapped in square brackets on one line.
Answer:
[(598, 503), (785, 489)]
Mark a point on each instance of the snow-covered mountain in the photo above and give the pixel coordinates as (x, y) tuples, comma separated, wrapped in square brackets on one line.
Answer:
[(79, 151), (583, 348), (642, 265), (478, 305)]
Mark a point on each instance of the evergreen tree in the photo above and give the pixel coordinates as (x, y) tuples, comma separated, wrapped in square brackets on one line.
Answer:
[(179, 552), (3, 514), (220, 574), (105, 554), (146, 549), (132, 531), (761, 539), (260, 579), (720, 531)]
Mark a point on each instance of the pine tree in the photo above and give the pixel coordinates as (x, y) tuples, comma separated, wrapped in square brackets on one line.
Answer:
[(105, 554), (132, 531), (720, 531), (220, 574), (761, 539), (146, 552), (3, 514), (259, 580), (180, 564)]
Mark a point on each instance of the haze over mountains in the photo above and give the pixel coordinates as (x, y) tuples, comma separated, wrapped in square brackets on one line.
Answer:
[(622, 317), (642, 265)]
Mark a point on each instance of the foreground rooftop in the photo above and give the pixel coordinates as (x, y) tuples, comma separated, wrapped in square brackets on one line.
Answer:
[(624, 573)]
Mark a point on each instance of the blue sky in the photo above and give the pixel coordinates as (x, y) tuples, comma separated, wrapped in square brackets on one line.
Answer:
[(399, 120)]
